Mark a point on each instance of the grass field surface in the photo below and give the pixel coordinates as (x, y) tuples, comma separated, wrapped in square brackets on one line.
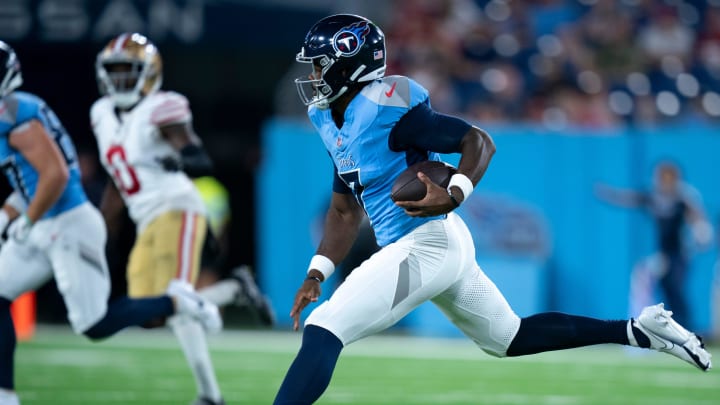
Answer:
[(146, 367)]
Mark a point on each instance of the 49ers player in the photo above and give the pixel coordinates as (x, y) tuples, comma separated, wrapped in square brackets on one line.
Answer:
[(149, 148)]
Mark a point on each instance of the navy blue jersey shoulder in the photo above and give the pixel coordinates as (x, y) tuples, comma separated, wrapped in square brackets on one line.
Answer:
[(424, 129)]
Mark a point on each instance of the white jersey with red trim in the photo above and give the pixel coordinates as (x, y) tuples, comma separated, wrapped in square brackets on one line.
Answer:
[(130, 146)]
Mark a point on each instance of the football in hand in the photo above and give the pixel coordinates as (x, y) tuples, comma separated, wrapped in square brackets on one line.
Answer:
[(408, 187)]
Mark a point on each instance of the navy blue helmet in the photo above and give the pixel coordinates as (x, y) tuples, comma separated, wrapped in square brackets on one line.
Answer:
[(344, 49), (10, 75)]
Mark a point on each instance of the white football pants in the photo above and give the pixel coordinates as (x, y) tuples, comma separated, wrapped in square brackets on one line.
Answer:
[(436, 261), (70, 246)]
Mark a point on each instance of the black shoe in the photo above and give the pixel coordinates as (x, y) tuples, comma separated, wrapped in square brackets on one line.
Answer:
[(250, 294), (205, 401)]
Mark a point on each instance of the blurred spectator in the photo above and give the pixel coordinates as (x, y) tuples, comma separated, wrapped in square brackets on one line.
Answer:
[(665, 36), (557, 63), (561, 63)]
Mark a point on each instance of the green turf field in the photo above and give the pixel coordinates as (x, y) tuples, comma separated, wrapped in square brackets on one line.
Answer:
[(145, 367)]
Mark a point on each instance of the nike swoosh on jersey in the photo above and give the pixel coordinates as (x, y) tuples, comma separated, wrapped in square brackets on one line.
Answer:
[(390, 92)]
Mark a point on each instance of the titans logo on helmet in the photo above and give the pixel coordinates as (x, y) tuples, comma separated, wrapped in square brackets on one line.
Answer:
[(349, 40)]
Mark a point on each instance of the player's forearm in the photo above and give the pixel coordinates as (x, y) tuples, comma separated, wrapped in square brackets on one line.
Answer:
[(10, 211), (620, 197), (340, 232), (50, 186), (477, 149), (14, 205), (111, 206)]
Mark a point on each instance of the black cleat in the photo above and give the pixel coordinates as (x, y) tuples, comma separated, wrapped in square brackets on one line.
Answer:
[(206, 401), (251, 295)]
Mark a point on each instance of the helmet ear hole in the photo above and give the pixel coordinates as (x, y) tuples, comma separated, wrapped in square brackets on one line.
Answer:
[(345, 73)]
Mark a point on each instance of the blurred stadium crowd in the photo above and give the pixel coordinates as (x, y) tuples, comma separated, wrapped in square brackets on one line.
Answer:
[(559, 63)]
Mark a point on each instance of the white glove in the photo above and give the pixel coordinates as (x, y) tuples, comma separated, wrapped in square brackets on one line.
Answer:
[(20, 228)]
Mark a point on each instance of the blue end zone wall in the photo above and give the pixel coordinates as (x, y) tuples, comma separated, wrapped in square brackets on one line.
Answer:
[(594, 245)]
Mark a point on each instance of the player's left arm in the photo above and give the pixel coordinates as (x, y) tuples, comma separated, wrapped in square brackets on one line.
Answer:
[(342, 223), (33, 142), (476, 150), (423, 129), (194, 160), (111, 208)]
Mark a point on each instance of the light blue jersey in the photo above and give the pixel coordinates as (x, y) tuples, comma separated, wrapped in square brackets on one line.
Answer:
[(362, 155), (16, 109)]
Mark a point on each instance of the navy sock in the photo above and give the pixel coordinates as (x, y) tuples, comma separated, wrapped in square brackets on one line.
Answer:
[(556, 331), (7, 346), (124, 312), (312, 369), (641, 338)]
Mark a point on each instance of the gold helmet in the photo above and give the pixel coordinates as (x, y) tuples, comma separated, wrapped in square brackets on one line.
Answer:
[(128, 69)]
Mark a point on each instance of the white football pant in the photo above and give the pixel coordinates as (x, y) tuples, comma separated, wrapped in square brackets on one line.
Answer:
[(70, 246), (436, 261)]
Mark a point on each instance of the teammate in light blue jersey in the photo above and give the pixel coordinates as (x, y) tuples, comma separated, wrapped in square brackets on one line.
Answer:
[(373, 128), (23, 111), (56, 232)]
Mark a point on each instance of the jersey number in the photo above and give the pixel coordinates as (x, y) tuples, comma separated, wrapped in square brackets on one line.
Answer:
[(59, 135), (124, 175), (16, 179), (352, 179)]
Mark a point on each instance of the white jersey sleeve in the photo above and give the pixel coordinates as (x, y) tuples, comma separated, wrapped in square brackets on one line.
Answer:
[(170, 108)]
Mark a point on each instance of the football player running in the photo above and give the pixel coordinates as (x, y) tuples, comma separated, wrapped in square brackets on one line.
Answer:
[(148, 146), (374, 127), (56, 232)]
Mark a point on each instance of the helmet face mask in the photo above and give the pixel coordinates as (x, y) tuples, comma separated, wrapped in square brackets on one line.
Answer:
[(314, 89), (128, 69), (10, 74), (344, 50)]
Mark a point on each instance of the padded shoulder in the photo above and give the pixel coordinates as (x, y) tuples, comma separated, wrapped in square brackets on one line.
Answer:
[(22, 107), (169, 107), (395, 91), (100, 107)]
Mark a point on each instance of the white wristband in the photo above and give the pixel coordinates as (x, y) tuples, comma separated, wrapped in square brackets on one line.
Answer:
[(462, 182), (322, 264)]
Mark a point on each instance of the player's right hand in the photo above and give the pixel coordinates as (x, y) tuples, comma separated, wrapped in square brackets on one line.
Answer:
[(309, 292)]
